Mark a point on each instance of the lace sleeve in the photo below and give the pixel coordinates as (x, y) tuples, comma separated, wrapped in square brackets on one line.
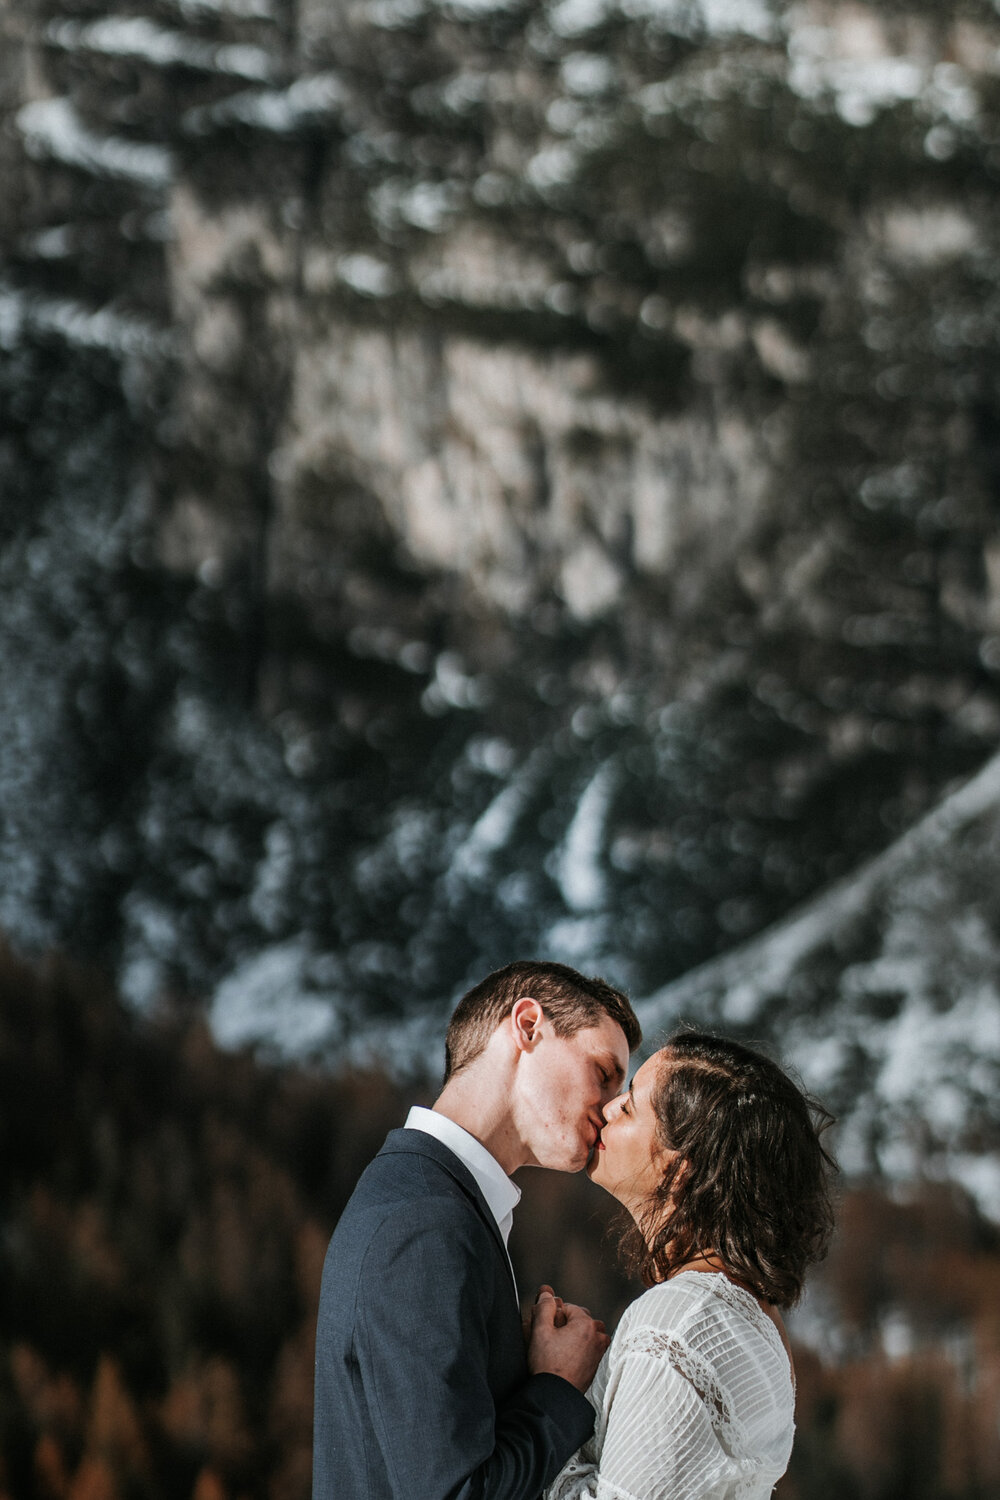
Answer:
[(657, 1431)]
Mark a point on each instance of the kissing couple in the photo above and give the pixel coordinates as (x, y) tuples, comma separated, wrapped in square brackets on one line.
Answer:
[(428, 1386)]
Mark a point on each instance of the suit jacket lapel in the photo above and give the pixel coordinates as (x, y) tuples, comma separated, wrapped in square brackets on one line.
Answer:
[(421, 1144)]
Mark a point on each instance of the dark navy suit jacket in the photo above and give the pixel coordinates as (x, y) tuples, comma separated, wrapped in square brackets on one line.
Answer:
[(422, 1386)]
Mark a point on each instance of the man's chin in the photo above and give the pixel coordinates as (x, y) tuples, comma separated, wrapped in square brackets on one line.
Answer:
[(577, 1159)]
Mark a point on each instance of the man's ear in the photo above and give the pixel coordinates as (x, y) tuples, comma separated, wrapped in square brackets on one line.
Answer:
[(526, 1022)]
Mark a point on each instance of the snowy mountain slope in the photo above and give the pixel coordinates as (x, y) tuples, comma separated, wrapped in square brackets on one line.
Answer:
[(491, 479), (884, 994)]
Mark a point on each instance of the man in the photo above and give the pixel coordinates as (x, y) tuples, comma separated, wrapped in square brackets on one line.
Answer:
[(424, 1387)]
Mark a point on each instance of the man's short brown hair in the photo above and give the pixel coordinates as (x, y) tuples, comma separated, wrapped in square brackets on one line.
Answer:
[(569, 1000)]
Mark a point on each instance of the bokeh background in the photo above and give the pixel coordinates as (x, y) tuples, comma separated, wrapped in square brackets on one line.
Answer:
[(487, 478)]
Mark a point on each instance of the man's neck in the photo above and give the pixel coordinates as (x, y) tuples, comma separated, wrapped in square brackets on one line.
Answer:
[(486, 1119)]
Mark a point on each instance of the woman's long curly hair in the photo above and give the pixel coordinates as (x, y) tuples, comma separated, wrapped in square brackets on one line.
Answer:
[(751, 1180)]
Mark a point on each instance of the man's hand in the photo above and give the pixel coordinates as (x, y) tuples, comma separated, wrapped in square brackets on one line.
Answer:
[(565, 1340)]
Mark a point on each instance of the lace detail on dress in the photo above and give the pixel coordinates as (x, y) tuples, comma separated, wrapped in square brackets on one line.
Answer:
[(690, 1401), (581, 1481), (745, 1303), (698, 1373)]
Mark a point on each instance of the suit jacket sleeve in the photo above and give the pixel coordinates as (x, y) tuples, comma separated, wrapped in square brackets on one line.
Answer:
[(422, 1348)]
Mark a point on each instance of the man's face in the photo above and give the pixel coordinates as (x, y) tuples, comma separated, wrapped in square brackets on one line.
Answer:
[(562, 1088)]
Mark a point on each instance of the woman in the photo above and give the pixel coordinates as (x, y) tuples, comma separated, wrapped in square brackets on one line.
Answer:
[(716, 1156)]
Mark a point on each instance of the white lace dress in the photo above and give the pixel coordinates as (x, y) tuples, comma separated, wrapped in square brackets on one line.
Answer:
[(694, 1400)]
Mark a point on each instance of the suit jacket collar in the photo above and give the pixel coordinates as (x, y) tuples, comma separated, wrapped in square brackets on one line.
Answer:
[(418, 1143), (497, 1188)]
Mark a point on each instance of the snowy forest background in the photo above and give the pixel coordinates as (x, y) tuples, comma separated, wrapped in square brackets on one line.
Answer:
[(479, 480)]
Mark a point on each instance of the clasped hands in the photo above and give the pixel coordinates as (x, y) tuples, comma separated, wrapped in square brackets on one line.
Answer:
[(563, 1339)]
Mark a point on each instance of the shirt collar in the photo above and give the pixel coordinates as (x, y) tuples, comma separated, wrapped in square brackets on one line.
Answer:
[(502, 1195)]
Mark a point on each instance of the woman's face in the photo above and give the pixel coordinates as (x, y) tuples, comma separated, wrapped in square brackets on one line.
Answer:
[(629, 1160)]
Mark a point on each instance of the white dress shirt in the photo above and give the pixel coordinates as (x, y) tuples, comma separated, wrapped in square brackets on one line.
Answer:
[(502, 1196)]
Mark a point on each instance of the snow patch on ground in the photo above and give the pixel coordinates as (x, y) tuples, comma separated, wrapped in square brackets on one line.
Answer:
[(271, 995), (138, 37), (88, 327), (714, 18), (279, 111), (52, 128), (491, 832), (580, 861), (861, 76)]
